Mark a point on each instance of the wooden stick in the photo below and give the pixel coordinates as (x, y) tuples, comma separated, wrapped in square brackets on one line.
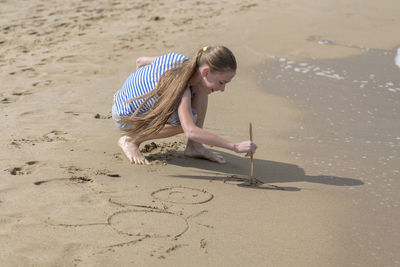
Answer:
[(251, 156)]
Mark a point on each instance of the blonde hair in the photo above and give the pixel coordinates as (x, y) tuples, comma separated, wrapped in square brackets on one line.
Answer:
[(171, 86)]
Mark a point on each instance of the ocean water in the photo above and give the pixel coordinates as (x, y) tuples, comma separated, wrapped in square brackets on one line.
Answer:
[(350, 108)]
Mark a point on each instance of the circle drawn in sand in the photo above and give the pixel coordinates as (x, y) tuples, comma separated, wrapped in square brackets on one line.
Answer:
[(182, 195), (148, 223)]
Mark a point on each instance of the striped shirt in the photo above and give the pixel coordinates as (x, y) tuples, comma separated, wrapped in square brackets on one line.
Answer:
[(143, 81)]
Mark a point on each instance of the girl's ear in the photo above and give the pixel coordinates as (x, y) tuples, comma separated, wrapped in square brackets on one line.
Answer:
[(204, 71)]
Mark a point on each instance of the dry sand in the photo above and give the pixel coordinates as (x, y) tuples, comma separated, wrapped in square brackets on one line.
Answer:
[(316, 78)]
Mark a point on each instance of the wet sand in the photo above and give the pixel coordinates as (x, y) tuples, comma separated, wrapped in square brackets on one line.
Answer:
[(349, 128), (317, 80)]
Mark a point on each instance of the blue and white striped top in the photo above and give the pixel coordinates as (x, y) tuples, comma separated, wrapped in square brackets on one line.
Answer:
[(143, 81)]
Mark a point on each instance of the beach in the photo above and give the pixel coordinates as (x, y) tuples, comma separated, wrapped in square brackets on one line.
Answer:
[(319, 82)]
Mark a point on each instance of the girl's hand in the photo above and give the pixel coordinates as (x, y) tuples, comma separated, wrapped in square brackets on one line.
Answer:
[(143, 61), (247, 147)]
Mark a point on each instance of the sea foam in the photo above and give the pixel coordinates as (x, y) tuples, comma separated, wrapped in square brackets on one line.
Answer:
[(397, 59)]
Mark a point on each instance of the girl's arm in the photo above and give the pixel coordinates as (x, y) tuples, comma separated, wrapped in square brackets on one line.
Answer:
[(193, 132)]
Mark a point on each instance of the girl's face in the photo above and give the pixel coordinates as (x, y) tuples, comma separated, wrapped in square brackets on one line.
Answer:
[(216, 81)]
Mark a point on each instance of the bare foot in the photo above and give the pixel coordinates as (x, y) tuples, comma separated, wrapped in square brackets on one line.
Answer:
[(132, 151), (199, 151)]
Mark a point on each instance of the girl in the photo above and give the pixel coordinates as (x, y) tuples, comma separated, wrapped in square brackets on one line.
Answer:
[(168, 95)]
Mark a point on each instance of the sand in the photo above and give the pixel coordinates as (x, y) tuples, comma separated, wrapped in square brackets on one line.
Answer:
[(318, 81)]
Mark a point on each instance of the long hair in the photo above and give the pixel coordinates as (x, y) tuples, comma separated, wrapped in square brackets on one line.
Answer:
[(171, 87)]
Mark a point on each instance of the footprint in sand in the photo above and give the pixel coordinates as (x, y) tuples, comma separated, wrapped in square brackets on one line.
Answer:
[(7, 100), (42, 83), (159, 153), (22, 170), (103, 117), (13, 97), (79, 175), (72, 169), (82, 175), (29, 71), (53, 136)]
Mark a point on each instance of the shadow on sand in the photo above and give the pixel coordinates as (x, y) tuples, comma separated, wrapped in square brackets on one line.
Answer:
[(268, 172)]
